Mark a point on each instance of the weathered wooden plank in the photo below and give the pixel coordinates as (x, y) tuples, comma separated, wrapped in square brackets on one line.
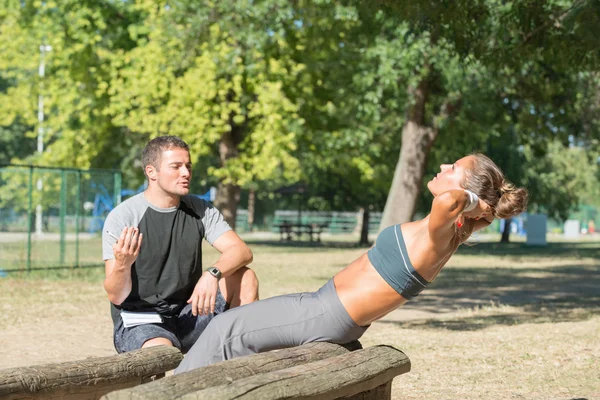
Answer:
[(345, 375), (90, 378), (226, 372)]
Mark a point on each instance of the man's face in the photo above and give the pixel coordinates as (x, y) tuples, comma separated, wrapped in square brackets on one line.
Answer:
[(450, 176), (175, 172)]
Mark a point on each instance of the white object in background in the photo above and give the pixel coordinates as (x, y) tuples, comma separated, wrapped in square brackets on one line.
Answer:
[(536, 229), (571, 228)]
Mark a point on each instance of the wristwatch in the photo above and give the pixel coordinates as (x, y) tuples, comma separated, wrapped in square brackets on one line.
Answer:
[(214, 271)]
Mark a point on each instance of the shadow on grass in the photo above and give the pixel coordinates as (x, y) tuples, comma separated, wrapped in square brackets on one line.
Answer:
[(558, 294), (564, 310), (562, 249)]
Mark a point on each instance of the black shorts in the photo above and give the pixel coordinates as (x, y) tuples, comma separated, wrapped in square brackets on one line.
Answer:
[(182, 330)]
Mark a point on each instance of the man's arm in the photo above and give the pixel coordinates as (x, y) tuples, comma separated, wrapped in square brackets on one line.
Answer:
[(234, 255), (117, 283)]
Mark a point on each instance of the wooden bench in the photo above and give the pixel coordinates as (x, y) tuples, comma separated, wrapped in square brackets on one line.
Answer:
[(90, 378), (288, 231), (315, 371)]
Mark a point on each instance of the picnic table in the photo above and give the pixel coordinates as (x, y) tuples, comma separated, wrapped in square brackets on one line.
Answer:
[(290, 231)]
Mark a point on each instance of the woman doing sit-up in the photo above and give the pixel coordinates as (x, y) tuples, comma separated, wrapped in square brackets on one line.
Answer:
[(468, 195)]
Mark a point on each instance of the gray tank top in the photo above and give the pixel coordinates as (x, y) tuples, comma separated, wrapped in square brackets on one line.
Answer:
[(390, 259)]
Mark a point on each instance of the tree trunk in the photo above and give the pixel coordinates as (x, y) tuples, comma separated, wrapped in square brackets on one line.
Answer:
[(227, 200), (251, 202), (417, 139), (506, 231), (228, 195), (364, 231)]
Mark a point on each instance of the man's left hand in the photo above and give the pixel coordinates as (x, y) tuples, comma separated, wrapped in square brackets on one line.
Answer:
[(204, 297)]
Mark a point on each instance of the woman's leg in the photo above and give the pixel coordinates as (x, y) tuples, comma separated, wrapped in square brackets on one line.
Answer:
[(274, 323)]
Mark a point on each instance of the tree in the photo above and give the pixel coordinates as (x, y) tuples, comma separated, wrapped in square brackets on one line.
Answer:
[(84, 36), (210, 74), (533, 35), (122, 72)]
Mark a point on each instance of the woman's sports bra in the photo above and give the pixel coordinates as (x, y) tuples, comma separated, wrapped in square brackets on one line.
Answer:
[(390, 259)]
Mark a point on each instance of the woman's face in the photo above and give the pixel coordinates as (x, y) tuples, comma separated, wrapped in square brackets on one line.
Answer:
[(450, 176)]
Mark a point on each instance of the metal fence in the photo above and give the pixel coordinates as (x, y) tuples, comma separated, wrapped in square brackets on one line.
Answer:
[(52, 217)]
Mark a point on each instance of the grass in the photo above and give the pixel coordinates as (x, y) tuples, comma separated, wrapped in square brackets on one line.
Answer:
[(500, 322), (46, 253)]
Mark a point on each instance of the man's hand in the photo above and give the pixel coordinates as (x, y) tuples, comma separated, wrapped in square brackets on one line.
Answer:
[(118, 270), (128, 246), (204, 296)]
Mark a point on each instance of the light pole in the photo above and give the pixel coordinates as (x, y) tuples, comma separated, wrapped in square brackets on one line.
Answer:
[(44, 48)]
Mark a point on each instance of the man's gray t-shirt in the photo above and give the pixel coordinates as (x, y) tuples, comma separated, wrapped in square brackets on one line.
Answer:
[(170, 261)]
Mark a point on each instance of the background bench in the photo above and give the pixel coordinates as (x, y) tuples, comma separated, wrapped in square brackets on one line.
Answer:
[(290, 231), (315, 370), (334, 222), (90, 378)]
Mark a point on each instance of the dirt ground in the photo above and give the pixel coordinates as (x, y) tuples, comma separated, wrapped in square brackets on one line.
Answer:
[(55, 334), (500, 322), (57, 330)]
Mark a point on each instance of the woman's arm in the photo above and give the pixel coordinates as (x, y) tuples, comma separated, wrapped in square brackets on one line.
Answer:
[(448, 206), (483, 222), (445, 210)]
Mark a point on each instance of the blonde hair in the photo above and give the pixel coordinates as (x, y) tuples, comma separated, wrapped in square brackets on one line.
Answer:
[(487, 180)]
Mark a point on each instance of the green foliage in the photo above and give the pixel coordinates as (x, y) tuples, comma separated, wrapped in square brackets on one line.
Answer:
[(562, 179), (271, 92), (84, 37), (517, 83)]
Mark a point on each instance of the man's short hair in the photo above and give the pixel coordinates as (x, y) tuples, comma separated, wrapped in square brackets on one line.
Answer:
[(153, 151)]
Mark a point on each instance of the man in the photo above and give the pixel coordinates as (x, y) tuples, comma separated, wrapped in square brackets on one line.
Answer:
[(152, 249)]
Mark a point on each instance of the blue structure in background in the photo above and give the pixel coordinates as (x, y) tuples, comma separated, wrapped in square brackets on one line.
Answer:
[(517, 226), (103, 203)]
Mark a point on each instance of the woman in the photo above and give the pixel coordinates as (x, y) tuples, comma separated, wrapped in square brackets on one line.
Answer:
[(405, 259)]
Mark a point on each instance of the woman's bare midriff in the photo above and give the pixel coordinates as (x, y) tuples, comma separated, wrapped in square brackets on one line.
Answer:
[(364, 293), (367, 296)]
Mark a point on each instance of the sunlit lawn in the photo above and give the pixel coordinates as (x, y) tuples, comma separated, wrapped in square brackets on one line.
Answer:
[(505, 321)]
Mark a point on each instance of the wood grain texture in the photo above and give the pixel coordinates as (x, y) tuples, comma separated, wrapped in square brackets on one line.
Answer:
[(229, 371), (336, 377), (362, 374), (90, 378)]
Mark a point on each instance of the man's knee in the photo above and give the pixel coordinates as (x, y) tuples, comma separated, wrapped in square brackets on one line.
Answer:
[(249, 286), (241, 287), (159, 341)]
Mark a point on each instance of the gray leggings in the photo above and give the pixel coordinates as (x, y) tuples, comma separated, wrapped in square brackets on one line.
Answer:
[(274, 323)]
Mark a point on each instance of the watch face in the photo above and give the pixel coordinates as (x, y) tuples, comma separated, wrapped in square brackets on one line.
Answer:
[(214, 271)]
